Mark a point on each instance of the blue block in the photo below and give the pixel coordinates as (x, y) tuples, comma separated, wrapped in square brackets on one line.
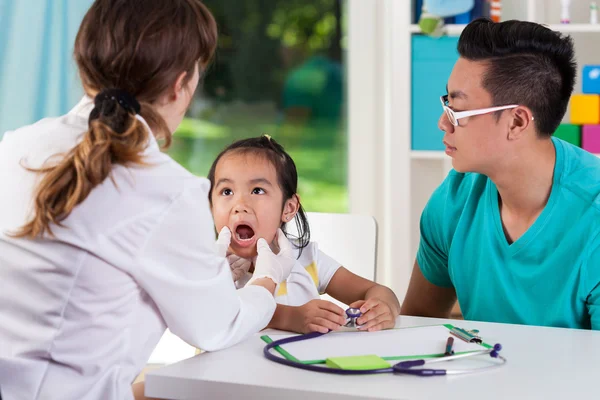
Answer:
[(479, 9), (418, 5), (591, 79), (432, 63), (463, 18)]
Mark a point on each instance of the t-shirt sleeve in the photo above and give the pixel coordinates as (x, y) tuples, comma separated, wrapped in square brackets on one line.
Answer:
[(432, 255), (319, 266)]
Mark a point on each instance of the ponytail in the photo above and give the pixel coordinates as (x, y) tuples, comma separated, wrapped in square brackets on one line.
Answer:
[(114, 137)]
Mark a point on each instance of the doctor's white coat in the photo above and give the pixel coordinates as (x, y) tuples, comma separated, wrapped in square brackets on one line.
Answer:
[(81, 313)]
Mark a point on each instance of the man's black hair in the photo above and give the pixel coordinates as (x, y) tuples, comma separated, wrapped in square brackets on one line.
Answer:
[(528, 64)]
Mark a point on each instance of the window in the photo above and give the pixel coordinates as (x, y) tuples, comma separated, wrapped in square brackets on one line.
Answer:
[(278, 70)]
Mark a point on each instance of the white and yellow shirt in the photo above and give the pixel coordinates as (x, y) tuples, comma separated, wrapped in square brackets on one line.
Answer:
[(309, 277)]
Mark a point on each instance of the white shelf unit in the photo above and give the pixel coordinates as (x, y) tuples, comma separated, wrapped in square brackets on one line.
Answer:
[(453, 29), (435, 155), (428, 155)]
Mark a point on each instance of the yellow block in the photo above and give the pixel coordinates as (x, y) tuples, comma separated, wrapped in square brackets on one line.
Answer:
[(585, 109)]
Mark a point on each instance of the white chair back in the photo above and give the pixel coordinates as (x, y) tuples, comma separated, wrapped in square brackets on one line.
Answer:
[(347, 238)]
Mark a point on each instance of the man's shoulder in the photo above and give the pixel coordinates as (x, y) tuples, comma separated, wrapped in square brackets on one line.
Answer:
[(581, 174), (576, 158)]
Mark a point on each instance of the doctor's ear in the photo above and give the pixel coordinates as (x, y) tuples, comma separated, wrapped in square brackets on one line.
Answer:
[(177, 87)]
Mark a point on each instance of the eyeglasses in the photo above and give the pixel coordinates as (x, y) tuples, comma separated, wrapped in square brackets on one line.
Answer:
[(454, 116)]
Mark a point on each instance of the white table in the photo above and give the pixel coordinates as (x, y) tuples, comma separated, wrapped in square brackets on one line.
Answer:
[(543, 363)]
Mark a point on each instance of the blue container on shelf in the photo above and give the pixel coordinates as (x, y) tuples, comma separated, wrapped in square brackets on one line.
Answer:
[(449, 8), (432, 63), (463, 18), (590, 78)]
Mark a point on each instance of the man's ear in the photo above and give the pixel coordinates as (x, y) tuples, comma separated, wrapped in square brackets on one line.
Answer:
[(290, 208), (520, 122)]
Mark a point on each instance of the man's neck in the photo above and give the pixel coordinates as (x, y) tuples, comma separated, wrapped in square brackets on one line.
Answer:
[(525, 183)]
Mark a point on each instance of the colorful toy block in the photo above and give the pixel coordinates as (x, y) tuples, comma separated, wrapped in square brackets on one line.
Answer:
[(569, 133), (590, 138), (591, 79), (585, 109)]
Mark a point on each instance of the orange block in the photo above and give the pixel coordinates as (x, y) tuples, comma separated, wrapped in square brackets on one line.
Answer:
[(585, 109)]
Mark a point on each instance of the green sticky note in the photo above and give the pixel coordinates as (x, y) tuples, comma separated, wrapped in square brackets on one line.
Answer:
[(569, 133), (357, 362)]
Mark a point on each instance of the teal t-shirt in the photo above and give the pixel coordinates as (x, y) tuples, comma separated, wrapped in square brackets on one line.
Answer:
[(550, 276)]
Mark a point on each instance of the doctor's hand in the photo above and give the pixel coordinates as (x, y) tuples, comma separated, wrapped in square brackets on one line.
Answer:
[(376, 315), (278, 266), (317, 316), (223, 241)]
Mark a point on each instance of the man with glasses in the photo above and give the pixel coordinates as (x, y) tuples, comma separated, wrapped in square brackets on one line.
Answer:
[(514, 230)]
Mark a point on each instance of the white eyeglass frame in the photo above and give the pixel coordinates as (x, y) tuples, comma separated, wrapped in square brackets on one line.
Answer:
[(454, 116)]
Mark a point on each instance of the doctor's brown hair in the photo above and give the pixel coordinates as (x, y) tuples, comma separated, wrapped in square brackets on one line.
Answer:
[(137, 46)]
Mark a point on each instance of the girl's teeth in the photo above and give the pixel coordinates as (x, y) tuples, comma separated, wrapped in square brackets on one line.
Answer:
[(239, 238)]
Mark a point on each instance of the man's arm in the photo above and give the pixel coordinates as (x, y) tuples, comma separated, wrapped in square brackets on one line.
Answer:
[(424, 299), (593, 306)]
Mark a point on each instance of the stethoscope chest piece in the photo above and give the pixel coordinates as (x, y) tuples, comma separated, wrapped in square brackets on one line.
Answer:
[(353, 314)]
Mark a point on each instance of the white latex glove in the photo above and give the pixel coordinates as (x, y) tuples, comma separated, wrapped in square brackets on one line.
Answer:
[(239, 266), (274, 266), (223, 241)]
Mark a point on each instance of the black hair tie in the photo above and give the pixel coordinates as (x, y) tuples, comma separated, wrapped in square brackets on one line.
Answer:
[(107, 100)]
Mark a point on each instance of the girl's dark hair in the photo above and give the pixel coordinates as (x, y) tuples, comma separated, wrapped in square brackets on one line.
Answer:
[(137, 47), (287, 176)]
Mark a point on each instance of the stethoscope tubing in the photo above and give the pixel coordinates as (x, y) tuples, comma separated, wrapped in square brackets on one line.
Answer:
[(403, 367)]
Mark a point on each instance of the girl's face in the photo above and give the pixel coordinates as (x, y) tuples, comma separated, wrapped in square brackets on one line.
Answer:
[(246, 197)]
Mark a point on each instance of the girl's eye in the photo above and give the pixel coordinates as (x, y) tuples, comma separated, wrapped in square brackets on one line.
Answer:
[(226, 192), (258, 191)]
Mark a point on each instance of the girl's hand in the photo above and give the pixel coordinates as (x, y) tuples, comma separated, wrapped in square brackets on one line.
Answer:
[(376, 315), (318, 316)]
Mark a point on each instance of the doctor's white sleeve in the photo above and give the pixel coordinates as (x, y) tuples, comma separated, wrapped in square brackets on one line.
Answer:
[(191, 286)]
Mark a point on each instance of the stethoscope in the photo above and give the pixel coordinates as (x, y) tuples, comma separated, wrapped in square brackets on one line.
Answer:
[(403, 367)]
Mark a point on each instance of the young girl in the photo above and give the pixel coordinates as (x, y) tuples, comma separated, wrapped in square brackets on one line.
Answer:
[(253, 193)]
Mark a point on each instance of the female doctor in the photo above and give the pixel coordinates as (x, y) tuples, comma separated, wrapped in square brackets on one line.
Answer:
[(104, 240)]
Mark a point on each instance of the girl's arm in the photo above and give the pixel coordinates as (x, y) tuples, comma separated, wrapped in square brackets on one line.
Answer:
[(315, 316), (378, 303)]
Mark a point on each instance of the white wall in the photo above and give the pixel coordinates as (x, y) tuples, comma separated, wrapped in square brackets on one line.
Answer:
[(379, 131)]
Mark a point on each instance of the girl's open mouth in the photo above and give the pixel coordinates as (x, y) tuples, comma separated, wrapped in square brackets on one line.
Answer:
[(244, 235)]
